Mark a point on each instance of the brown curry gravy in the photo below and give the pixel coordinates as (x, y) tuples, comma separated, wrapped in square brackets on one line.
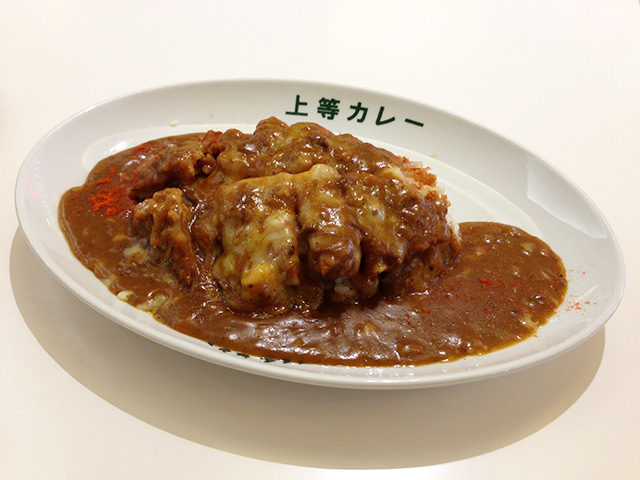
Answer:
[(502, 288)]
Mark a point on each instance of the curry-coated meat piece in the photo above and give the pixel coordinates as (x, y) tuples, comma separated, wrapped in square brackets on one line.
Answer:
[(258, 264), (164, 218), (158, 165)]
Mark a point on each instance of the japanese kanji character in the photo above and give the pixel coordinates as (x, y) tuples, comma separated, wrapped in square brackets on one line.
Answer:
[(296, 111), (328, 108)]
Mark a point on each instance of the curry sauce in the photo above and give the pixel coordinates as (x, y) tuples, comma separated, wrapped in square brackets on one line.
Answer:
[(296, 244)]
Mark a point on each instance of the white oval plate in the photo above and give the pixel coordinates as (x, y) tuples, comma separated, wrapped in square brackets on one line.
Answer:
[(486, 178)]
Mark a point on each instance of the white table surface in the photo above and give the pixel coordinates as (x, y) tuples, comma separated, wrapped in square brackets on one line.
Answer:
[(81, 397)]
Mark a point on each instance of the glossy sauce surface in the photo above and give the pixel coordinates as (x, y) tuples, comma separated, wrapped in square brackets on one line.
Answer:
[(146, 223), (505, 285)]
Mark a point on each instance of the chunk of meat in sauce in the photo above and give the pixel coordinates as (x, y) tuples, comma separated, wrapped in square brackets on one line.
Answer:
[(164, 218), (157, 165), (329, 228), (259, 262)]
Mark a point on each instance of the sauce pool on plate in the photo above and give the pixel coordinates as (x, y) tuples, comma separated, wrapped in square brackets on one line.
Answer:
[(299, 245)]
